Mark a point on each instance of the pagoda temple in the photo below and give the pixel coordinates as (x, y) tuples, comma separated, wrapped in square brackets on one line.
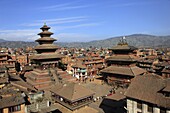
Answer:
[(46, 50), (121, 65), (46, 62)]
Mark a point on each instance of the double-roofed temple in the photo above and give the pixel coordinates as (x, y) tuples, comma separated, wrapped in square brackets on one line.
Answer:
[(72, 96), (121, 65)]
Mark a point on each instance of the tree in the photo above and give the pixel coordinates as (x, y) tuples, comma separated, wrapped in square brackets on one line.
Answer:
[(62, 66)]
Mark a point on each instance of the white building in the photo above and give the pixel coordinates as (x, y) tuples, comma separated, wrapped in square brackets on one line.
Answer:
[(148, 94)]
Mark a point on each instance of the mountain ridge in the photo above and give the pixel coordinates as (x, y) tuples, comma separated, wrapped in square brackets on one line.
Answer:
[(2, 40), (138, 40)]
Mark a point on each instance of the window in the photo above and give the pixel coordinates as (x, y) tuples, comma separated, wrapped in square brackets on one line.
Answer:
[(162, 110), (1, 110), (15, 108), (139, 104), (167, 94), (150, 108)]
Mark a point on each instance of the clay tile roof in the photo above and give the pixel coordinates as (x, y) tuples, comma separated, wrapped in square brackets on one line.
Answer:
[(117, 96), (45, 26), (45, 33), (122, 58), (74, 92), (2, 69), (79, 65), (151, 57), (166, 70), (45, 39), (163, 64), (55, 88), (123, 47), (167, 87), (3, 80), (11, 101), (47, 46), (129, 71), (86, 110), (147, 88), (47, 56), (145, 61), (3, 54), (96, 58)]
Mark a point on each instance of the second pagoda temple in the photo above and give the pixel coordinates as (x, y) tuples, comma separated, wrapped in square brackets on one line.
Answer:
[(121, 65)]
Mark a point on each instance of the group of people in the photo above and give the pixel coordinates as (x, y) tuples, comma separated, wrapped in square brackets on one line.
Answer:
[(84, 78)]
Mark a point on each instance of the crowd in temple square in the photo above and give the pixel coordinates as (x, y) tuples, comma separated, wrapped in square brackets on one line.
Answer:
[(52, 79)]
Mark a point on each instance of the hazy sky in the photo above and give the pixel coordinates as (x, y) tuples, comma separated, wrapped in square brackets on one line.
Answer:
[(83, 20)]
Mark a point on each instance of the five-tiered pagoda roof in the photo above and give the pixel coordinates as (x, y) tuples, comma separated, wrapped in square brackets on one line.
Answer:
[(46, 50)]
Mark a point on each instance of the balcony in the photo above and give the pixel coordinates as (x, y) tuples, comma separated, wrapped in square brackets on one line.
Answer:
[(75, 105)]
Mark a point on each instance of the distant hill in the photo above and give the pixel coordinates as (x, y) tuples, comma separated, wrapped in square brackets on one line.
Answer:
[(2, 40), (138, 40), (17, 44)]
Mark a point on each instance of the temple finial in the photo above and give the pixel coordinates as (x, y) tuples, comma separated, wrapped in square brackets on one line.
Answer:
[(124, 40), (44, 23)]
